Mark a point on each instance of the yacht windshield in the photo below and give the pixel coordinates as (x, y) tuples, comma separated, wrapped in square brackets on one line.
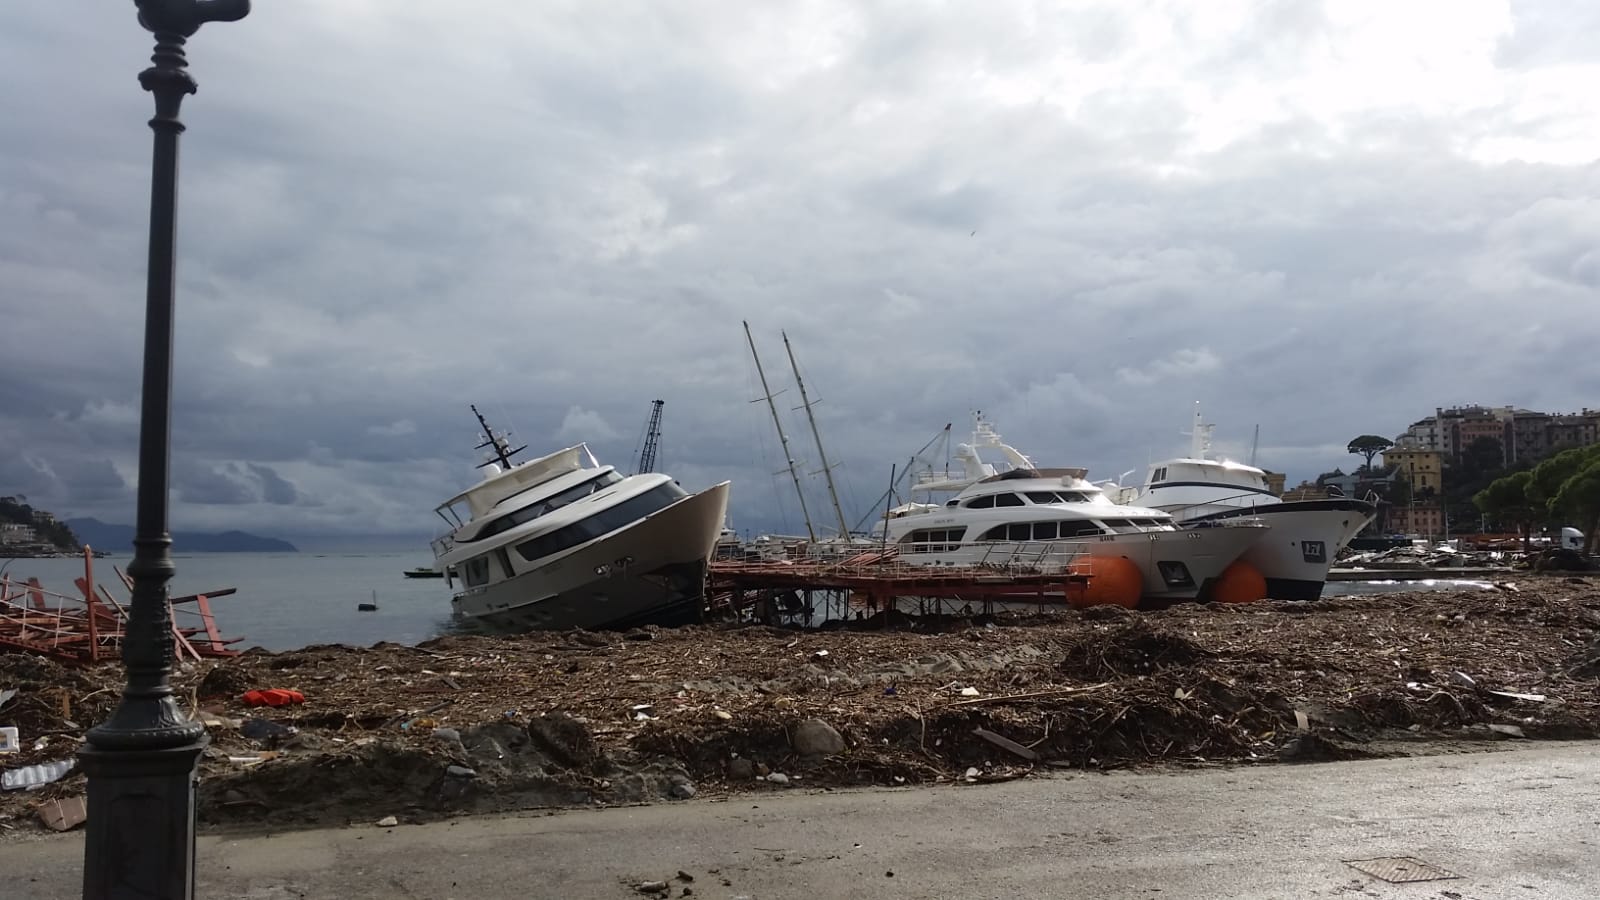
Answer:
[(548, 505)]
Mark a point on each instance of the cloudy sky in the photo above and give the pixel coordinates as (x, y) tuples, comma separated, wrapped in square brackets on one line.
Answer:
[(1079, 217)]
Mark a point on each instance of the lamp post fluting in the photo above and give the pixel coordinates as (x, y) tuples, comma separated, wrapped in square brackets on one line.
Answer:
[(141, 762)]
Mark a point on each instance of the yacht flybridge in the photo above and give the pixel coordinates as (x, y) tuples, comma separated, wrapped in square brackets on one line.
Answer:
[(1305, 535), (564, 542), (1054, 519)]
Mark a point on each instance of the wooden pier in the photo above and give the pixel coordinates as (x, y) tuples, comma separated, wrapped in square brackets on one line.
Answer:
[(89, 628)]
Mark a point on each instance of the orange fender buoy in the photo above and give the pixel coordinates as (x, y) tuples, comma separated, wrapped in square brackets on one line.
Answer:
[(1240, 582), (1113, 581)]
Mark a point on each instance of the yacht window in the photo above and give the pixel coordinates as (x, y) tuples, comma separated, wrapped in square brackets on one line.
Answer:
[(548, 505), (984, 502), (475, 571), (1072, 497), (603, 522), (1116, 523), (933, 540), (1079, 529), (1019, 531), (1043, 498), (1159, 475), (1007, 500), (1044, 531)]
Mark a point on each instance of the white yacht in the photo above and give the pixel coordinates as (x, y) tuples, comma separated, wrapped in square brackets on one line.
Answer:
[(564, 542), (1305, 535), (1049, 519)]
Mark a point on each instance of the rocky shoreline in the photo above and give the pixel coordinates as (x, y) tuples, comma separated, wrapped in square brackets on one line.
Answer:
[(463, 725)]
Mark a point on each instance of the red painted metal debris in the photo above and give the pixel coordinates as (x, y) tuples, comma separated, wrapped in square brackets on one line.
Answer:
[(89, 628)]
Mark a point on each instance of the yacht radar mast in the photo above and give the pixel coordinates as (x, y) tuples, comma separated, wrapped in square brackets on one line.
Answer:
[(1199, 436), (497, 442)]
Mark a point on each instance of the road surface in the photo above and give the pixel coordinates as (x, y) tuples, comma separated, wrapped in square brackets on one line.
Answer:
[(1516, 824)]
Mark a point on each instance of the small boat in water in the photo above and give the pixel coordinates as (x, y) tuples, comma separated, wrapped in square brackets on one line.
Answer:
[(424, 572), (564, 542)]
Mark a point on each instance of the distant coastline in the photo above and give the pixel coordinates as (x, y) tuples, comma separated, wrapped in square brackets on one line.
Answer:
[(102, 536)]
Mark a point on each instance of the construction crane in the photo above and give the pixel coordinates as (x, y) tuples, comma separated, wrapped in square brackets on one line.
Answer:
[(652, 438)]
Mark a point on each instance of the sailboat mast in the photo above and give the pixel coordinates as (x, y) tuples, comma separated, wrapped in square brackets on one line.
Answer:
[(782, 438), (827, 470)]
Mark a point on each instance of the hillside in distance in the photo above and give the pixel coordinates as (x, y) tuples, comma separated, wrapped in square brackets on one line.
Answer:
[(119, 538)]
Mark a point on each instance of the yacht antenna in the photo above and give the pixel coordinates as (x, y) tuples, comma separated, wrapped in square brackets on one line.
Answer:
[(652, 439), (503, 450), (827, 470), (1255, 443), (783, 439)]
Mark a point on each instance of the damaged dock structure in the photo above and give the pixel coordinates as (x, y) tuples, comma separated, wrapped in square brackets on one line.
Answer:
[(810, 590)]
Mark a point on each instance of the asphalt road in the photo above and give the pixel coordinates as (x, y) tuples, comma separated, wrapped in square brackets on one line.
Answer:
[(1516, 824)]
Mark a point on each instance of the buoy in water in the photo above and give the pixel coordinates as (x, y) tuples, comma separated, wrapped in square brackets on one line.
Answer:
[(1113, 581), (1240, 582)]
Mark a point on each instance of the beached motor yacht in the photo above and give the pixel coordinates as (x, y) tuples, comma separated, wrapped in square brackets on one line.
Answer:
[(1050, 519), (565, 542), (1305, 535)]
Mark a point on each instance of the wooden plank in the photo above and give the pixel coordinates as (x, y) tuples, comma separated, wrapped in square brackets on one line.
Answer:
[(194, 598), (212, 636), (87, 586), (1005, 743)]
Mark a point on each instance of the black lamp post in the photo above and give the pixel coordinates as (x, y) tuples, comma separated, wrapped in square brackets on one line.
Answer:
[(141, 762)]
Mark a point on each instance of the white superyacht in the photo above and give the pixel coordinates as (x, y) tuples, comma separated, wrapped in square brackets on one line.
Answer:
[(564, 542), (1048, 519), (1305, 535)]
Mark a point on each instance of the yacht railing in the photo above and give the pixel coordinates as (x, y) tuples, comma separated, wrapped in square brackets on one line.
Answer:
[(1182, 513), (442, 545)]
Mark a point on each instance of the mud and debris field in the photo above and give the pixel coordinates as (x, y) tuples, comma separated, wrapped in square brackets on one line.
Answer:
[(479, 724)]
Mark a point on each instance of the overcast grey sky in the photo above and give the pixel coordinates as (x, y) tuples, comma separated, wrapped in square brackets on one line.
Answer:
[(1322, 218)]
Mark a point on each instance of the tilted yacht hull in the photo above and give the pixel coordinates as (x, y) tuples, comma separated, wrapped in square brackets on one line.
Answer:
[(1303, 538), (651, 571)]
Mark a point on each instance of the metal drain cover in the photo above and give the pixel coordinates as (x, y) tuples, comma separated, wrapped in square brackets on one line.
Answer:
[(1400, 869)]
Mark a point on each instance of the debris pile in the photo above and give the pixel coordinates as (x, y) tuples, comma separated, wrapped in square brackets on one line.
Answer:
[(1438, 556), (478, 724)]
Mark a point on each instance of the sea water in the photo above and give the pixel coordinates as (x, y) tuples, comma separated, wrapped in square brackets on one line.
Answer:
[(284, 600)]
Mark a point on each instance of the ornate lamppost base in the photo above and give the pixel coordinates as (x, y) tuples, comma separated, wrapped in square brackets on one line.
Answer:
[(138, 793)]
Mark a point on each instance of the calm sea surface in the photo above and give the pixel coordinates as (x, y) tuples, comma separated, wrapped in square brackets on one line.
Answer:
[(289, 600), (286, 600)]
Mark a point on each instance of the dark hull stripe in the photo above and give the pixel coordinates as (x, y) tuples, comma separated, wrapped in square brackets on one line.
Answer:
[(1293, 589), (1361, 507), (1236, 488)]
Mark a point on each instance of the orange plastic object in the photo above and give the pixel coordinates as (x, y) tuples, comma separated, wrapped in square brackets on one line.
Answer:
[(1113, 581), (273, 697), (1240, 582)]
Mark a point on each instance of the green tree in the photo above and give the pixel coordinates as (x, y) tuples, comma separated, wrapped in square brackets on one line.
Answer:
[(1550, 475), (1579, 497), (1506, 500), (1368, 446)]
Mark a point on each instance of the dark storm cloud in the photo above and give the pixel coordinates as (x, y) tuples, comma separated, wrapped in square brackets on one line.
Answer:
[(213, 486), (275, 489), (389, 212)]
